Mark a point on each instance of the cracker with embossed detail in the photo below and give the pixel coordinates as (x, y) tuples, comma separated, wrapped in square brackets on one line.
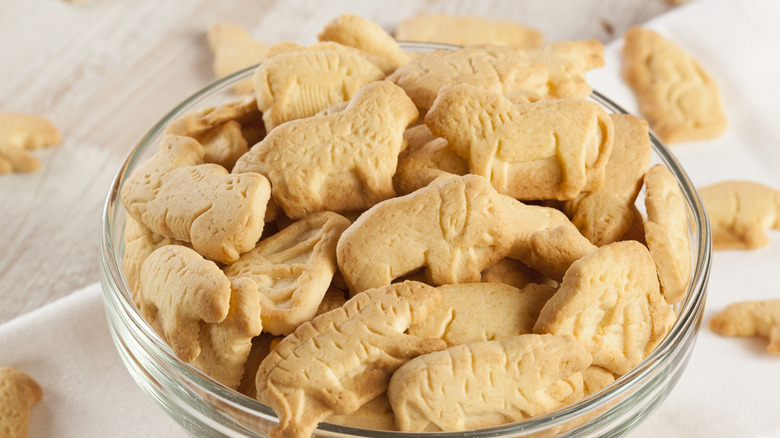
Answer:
[(234, 49), (750, 318), (360, 33), (610, 300), (679, 98), (484, 384), (177, 197), (500, 69), (606, 214), (473, 312), (293, 270), (340, 162), (344, 358), (666, 232), (551, 149), (20, 133), (740, 213), (18, 393), (299, 81), (430, 163), (455, 229), (467, 31), (140, 241)]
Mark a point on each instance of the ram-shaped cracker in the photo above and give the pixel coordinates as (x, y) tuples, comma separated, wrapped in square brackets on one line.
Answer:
[(610, 300), (297, 82), (293, 270), (339, 162), (551, 149), (456, 229), (205, 318), (501, 69), (750, 318), (18, 393), (344, 358), (485, 384), (606, 214), (740, 213), (357, 32), (175, 196)]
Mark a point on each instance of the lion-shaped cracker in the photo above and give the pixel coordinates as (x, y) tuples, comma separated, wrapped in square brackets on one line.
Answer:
[(568, 62), (467, 31), (473, 312), (175, 196), (343, 359), (605, 215), (680, 100), (293, 270), (234, 49), (357, 32), (551, 149), (456, 229), (485, 384), (208, 320), (339, 162), (22, 132), (140, 241), (501, 69), (299, 83), (18, 393), (740, 213), (750, 318), (610, 300), (666, 232)]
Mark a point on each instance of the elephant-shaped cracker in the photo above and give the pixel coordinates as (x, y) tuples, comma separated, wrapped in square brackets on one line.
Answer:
[(339, 162), (293, 269), (485, 384), (344, 358), (456, 229), (175, 196), (551, 149), (610, 300)]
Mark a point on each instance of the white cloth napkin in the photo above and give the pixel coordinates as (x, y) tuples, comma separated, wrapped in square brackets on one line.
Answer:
[(731, 387)]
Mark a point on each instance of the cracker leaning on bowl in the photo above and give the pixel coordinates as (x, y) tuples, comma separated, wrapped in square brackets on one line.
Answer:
[(334, 145)]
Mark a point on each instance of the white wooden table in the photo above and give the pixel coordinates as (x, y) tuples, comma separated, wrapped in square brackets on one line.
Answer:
[(105, 70)]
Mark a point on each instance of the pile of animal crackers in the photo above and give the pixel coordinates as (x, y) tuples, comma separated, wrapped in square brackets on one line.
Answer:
[(426, 242)]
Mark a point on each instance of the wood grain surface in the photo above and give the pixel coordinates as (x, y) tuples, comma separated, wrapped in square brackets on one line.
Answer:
[(105, 70)]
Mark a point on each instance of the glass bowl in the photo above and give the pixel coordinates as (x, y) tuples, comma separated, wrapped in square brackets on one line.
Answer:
[(208, 409)]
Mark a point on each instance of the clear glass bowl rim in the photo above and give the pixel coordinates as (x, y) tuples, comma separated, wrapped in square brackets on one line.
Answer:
[(118, 292)]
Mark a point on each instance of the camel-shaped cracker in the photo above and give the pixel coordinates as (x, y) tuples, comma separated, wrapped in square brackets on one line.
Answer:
[(611, 301), (750, 318), (293, 270), (485, 384), (207, 320), (22, 132), (177, 197), (456, 229), (339, 162), (18, 393), (740, 213), (344, 358)]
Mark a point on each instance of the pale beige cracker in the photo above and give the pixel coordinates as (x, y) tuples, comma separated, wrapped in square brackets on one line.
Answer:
[(740, 213), (376, 415), (20, 133), (18, 393), (234, 49), (293, 270), (610, 300), (514, 273), (243, 110), (455, 229), (360, 33), (750, 318), (224, 144), (484, 384), (679, 98), (343, 359), (666, 232), (568, 62), (474, 312), (140, 241), (467, 31), (596, 378), (427, 164), (340, 162), (606, 214), (551, 149)]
